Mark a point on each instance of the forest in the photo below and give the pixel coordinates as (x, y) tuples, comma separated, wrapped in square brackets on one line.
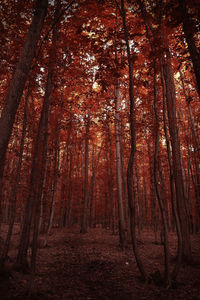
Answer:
[(100, 149)]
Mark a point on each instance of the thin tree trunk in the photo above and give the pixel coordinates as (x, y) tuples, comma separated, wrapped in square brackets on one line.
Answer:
[(110, 181), (167, 278), (122, 224), (69, 208), (123, 175), (24, 240), (176, 153), (39, 161), (145, 199), (173, 202), (133, 149), (56, 173), (86, 188), (17, 179), (139, 206), (154, 214), (53, 199), (40, 194), (92, 185)]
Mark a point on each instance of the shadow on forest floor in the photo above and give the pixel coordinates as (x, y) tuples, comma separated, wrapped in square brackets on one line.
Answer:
[(92, 266)]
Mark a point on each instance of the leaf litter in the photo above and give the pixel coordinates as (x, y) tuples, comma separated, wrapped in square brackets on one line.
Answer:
[(92, 266)]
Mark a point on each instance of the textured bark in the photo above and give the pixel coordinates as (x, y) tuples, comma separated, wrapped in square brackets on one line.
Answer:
[(38, 168), (153, 203), (67, 164), (188, 26), (172, 189), (44, 149), (92, 186), (156, 172), (196, 154), (70, 192), (122, 224), (132, 151), (16, 185), (54, 190), (18, 81), (39, 195), (91, 194), (123, 173), (145, 199), (25, 234), (176, 153), (84, 220), (139, 204), (110, 182), (159, 195)]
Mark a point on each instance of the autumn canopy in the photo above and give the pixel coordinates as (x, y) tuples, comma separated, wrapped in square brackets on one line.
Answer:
[(100, 121)]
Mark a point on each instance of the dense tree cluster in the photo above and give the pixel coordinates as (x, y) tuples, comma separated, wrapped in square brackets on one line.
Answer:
[(100, 120)]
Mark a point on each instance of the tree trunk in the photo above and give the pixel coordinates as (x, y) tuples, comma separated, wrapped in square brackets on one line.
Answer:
[(123, 174), (69, 208), (176, 153), (16, 184), (92, 185), (154, 213), (139, 204), (122, 224), (54, 190), (110, 181), (195, 139), (38, 168), (145, 198), (188, 26), (132, 151), (18, 82), (156, 170), (86, 189), (24, 240)]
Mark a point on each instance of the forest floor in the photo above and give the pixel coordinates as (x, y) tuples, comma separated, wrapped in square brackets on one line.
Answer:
[(92, 266)]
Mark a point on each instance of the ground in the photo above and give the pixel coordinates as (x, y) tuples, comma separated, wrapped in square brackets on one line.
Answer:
[(92, 266)]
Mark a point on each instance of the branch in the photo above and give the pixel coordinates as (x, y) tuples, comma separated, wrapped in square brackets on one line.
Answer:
[(51, 28), (118, 6), (145, 14)]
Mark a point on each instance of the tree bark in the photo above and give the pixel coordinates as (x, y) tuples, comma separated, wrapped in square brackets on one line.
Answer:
[(156, 171), (154, 211), (176, 153), (132, 151), (18, 82), (54, 194), (110, 181), (122, 224), (38, 167), (188, 26), (172, 189), (84, 220), (16, 184), (92, 186), (139, 204)]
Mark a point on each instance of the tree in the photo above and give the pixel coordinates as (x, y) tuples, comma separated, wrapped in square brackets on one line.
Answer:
[(122, 224), (113, 89), (84, 222), (189, 31), (133, 148), (18, 81), (39, 161), (176, 154)]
